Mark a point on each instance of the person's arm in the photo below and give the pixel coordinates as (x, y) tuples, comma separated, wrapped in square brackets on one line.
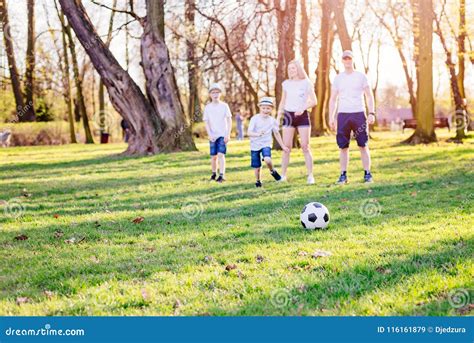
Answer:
[(228, 119), (370, 104), (332, 109), (281, 106), (311, 101), (277, 135), (251, 130), (208, 130)]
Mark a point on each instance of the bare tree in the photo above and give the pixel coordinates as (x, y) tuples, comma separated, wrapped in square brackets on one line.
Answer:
[(194, 83), (30, 64)]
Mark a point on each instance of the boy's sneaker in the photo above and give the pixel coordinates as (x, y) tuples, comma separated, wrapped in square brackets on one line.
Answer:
[(342, 180), (276, 176), (368, 178), (258, 184), (213, 177), (310, 180), (283, 179), (220, 179)]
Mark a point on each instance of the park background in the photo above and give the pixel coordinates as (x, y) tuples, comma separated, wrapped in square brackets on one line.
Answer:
[(137, 229)]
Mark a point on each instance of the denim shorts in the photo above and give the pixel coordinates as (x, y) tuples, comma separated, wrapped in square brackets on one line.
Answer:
[(352, 122), (258, 155), (218, 146), (292, 120)]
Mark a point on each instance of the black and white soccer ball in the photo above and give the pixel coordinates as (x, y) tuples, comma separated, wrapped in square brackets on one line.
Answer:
[(315, 216)]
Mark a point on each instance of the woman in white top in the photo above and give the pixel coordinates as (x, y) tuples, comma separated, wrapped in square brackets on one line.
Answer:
[(297, 97)]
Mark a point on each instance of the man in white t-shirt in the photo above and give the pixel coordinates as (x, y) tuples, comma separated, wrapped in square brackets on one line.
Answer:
[(218, 120), (261, 128), (348, 90)]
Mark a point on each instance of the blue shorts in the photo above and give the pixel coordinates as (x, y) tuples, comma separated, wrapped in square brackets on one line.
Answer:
[(255, 156), (218, 146), (352, 122), (292, 120)]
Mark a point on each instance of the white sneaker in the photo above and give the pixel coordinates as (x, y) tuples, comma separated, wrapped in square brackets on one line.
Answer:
[(310, 180), (283, 179)]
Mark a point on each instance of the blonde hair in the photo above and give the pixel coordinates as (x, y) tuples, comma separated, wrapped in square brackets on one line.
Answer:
[(300, 70)]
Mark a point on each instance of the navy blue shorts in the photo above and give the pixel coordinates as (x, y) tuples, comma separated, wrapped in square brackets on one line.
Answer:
[(352, 122), (255, 156), (218, 146), (291, 120)]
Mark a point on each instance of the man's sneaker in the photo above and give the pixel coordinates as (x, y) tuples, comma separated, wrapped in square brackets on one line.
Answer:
[(213, 177), (368, 178), (342, 180), (258, 184), (310, 180), (220, 179), (276, 176)]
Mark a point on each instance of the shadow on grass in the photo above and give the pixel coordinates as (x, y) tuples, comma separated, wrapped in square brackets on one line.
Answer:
[(354, 283)]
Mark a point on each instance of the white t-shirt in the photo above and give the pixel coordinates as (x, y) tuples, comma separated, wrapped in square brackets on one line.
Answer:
[(297, 92), (216, 116), (260, 123), (351, 91)]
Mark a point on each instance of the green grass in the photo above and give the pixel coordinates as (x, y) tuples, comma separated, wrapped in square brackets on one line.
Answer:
[(85, 256)]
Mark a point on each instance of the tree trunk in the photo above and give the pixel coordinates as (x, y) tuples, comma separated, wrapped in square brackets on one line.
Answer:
[(30, 64), (459, 115), (102, 112), (344, 37), (161, 86), (194, 84), (14, 76), (321, 87), (304, 35), (423, 33), (78, 81), (461, 42), (124, 93)]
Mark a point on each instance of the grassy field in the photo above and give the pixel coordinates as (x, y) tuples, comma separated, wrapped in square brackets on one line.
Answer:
[(70, 246)]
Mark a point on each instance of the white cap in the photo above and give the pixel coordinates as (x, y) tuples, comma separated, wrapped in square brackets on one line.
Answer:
[(215, 86), (347, 53), (266, 101)]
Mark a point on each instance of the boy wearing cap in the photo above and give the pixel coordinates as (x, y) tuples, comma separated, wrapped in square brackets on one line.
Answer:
[(260, 131), (218, 120), (348, 89)]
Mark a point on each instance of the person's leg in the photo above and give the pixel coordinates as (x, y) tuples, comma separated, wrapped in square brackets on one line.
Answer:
[(257, 174), (269, 163), (221, 159), (214, 164), (221, 151), (365, 156), (256, 164), (343, 138), (344, 159), (305, 132), (288, 134), (213, 153)]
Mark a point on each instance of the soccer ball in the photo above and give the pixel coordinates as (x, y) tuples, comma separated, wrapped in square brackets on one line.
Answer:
[(314, 216)]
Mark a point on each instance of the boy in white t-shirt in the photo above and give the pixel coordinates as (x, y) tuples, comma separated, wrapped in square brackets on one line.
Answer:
[(218, 120), (260, 131)]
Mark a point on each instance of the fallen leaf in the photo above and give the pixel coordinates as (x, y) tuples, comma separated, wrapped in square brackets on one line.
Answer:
[(22, 300), (95, 259), (229, 267), (97, 224), (259, 258), (383, 270), (344, 199), (56, 216), (150, 249), (414, 194), (25, 193), (48, 294), (240, 274), (466, 309), (320, 253), (138, 220), (71, 240), (58, 234), (21, 238), (299, 310), (302, 253), (369, 191), (177, 304), (208, 258)]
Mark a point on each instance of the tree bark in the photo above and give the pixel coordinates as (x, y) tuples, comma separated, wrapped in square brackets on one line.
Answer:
[(14, 76), (78, 82), (194, 82), (461, 42), (321, 87), (30, 64), (304, 35), (161, 86), (344, 37), (124, 93), (423, 33)]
